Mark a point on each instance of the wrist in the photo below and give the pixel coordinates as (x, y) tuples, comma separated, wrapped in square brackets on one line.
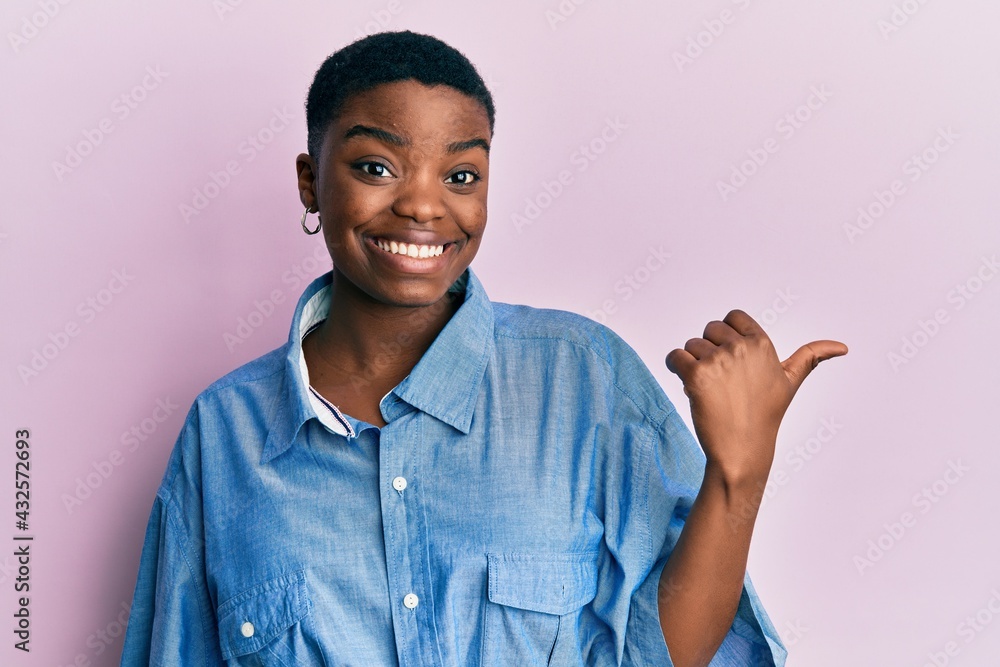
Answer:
[(740, 488), (736, 499), (738, 478)]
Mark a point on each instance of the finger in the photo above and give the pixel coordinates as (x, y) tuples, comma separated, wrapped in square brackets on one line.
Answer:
[(700, 348), (806, 358), (680, 362), (719, 332), (742, 323)]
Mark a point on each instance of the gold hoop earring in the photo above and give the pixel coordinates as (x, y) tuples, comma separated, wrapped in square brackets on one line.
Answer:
[(303, 223)]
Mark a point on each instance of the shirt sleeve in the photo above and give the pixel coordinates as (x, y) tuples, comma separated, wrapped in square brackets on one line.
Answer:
[(664, 486), (171, 621)]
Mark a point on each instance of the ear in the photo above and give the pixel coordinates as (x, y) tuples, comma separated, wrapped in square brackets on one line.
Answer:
[(306, 170)]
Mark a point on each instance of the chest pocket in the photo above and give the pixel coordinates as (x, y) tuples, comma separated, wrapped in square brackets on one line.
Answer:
[(530, 596), (261, 626)]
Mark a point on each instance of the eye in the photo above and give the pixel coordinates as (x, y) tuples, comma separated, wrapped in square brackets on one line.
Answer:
[(467, 177), (373, 169)]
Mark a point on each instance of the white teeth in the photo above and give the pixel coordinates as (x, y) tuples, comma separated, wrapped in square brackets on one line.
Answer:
[(410, 249)]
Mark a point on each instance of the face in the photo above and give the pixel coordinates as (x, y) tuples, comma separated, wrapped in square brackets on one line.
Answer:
[(401, 189)]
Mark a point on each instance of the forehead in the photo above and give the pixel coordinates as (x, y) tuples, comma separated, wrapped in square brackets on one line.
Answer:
[(416, 111)]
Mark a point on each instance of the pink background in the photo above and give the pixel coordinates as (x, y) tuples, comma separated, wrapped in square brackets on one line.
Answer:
[(860, 443)]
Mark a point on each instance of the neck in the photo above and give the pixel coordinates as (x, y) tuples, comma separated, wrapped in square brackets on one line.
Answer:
[(375, 340)]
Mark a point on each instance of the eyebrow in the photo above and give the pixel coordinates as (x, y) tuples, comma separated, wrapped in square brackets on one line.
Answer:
[(459, 146), (394, 139), (376, 132)]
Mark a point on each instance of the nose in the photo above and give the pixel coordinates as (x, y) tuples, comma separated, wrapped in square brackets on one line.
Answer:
[(420, 196)]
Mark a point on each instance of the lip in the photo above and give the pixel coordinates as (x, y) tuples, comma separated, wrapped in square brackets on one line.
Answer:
[(405, 263)]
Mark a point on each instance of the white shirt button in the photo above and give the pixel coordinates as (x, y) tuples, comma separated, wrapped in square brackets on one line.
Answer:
[(410, 601), (247, 629), (399, 483)]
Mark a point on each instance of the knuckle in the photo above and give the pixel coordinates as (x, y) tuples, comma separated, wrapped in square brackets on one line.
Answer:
[(712, 325)]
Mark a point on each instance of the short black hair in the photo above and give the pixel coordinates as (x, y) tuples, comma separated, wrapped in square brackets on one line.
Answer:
[(385, 57)]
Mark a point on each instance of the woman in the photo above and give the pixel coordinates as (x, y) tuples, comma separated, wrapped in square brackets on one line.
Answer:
[(423, 476)]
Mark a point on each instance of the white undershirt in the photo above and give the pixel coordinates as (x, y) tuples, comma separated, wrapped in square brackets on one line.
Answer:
[(313, 313)]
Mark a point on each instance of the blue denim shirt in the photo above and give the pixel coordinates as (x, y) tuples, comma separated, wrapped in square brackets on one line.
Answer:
[(516, 509)]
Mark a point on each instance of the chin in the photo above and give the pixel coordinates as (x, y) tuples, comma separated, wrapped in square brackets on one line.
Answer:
[(414, 298)]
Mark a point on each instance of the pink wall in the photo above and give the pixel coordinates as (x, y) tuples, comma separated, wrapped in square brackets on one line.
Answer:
[(867, 546)]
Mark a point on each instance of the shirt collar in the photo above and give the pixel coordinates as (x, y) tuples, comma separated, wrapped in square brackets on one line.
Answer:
[(444, 383)]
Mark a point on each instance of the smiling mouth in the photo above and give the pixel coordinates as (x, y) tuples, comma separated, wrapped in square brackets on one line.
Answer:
[(413, 250)]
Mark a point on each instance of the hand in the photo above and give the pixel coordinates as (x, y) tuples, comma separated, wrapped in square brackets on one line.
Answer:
[(739, 391)]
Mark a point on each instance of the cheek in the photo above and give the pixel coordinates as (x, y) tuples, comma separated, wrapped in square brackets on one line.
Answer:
[(473, 217), (352, 203)]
